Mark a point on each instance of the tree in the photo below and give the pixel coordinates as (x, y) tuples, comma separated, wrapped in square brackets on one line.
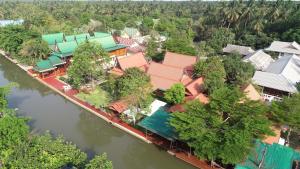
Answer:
[(237, 71), (286, 112), (152, 50), (220, 38), (224, 129), (89, 62), (99, 162), (180, 45), (35, 49), (175, 95)]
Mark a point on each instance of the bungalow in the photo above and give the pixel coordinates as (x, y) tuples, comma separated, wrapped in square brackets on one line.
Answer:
[(50, 67), (279, 78), (284, 48), (137, 60), (131, 45), (242, 50), (259, 59), (273, 156)]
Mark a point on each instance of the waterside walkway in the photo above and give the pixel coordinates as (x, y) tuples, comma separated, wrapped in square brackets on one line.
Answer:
[(57, 86)]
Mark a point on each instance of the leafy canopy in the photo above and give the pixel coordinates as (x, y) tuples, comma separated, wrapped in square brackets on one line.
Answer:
[(175, 95)]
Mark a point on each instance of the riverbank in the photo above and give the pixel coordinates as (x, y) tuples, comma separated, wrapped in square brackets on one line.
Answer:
[(57, 86)]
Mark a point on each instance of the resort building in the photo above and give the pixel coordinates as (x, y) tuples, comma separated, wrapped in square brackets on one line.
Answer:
[(259, 59), (284, 48), (279, 78), (136, 60), (273, 156), (50, 67), (242, 50), (132, 45)]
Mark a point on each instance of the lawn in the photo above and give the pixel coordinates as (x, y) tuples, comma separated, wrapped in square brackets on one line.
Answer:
[(98, 97)]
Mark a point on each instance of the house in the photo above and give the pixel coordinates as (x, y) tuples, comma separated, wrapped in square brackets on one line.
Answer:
[(50, 67), (279, 78), (11, 22), (180, 61), (132, 45), (242, 50), (259, 59), (136, 60), (273, 156), (284, 48), (130, 33)]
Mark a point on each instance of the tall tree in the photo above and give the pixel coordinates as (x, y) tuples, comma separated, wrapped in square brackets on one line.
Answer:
[(35, 49), (176, 94)]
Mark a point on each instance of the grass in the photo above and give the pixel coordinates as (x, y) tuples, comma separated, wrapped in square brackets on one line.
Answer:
[(98, 97)]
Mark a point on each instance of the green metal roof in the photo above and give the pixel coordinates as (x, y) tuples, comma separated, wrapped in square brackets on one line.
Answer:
[(52, 38), (159, 123), (101, 34), (273, 156), (67, 47), (105, 42), (55, 60), (84, 35), (61, 55), (70, 38), (81, 40), (43, 66), (118, 46)]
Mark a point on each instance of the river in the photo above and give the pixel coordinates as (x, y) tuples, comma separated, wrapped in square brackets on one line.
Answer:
[(50, 111)]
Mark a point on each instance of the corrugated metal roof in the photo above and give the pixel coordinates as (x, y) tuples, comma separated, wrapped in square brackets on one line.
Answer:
[(67, 47), (51, 39), (243, 50), (274, 81), (284, 47), (259, 59)]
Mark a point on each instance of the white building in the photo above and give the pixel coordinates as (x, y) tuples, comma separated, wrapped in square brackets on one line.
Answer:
[(284, 48), (259, 59)]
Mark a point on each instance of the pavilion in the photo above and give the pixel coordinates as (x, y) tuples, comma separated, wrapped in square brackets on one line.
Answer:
[(50, 67)]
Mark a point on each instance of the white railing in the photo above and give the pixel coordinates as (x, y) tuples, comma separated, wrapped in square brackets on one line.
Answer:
[(270, 98)]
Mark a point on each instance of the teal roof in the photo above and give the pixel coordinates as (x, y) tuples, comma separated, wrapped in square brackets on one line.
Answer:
[(52, 38), (118, 46), (81, 40), (70, 38), (159, 123), (55, 60), (43, 66), (101, 34), (105, 42), (84, 35), (273, 156), (61, 55), (67, 47)]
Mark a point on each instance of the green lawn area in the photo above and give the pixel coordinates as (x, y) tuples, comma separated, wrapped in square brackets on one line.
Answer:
[(98, 97)]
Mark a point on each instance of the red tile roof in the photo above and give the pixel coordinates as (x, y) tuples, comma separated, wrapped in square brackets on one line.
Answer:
[(163, 76), (176, 108), (179, 60), (118, 106), (136, 60), (117, 71), (124, 41), (195, 87)]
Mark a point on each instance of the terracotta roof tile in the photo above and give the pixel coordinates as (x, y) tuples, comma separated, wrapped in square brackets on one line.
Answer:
[(136, 60), (195, 87), (118, 106), (179, 60)]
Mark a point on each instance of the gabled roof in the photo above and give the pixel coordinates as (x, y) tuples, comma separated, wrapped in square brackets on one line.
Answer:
[(179, 60), (105, 42), (44, 66), (288, 66), (83, 36), (259, 59), (125, 41), (250, 92), (284, 47), (55, 60), (195, 87), (273, 81), (163, 76), (101, 34), (242, 50), (67, 47), (136, 60), (131, 31), (70, 38), (51, 39)]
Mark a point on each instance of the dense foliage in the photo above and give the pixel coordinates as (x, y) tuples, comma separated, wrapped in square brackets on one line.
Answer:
[(88, 64), (20, 149), (175, 94), (224, 129)]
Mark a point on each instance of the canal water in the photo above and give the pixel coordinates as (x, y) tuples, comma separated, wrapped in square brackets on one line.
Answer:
[(50, 111)]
